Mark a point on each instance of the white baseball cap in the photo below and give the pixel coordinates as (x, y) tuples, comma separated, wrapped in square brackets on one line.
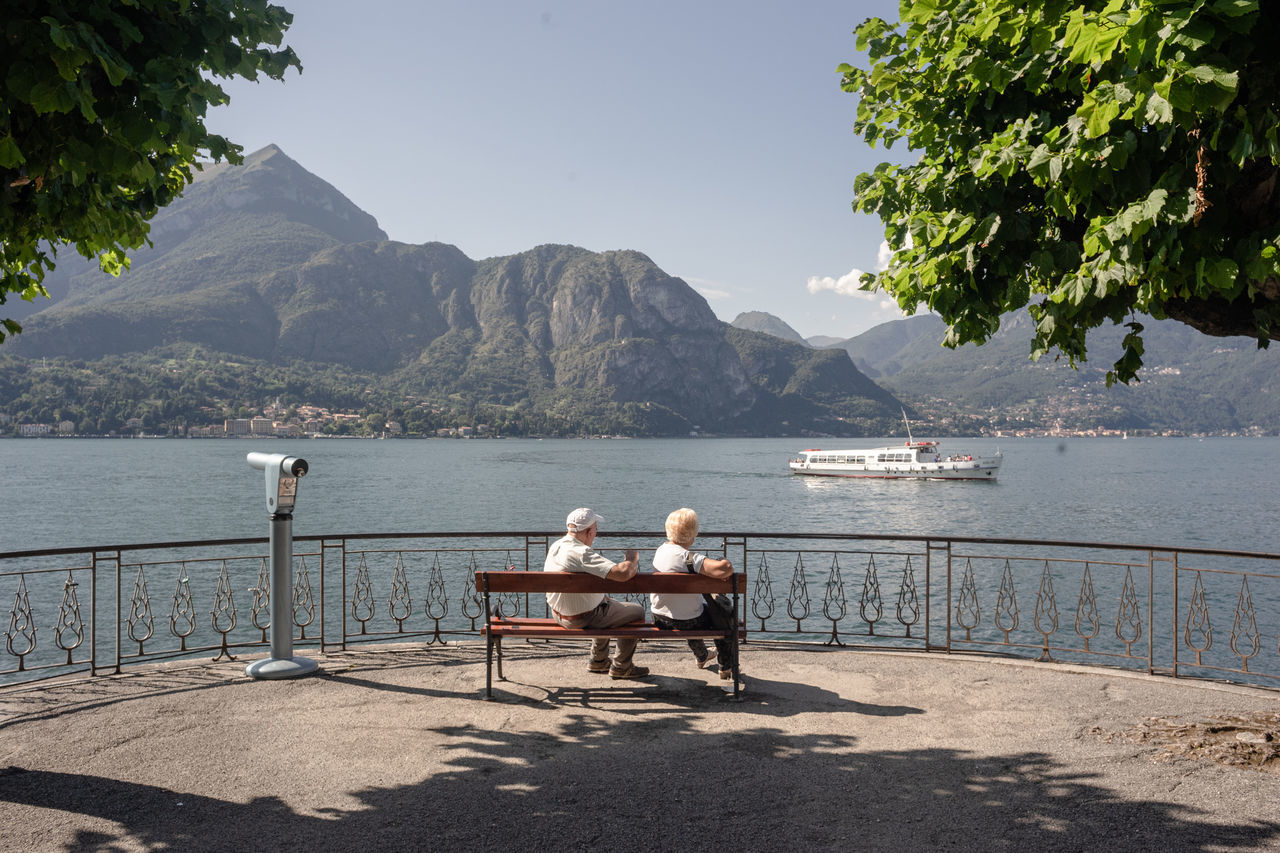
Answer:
[(582, 518)]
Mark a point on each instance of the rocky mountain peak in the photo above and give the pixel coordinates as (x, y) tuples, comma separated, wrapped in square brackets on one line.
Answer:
[(265, 260), (267, 183)]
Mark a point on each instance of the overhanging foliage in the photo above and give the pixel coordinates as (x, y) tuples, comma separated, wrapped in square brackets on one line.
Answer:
[(1091, 160), (102, 106)]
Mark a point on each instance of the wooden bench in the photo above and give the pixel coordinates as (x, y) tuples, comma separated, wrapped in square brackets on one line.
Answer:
[(498, 625)]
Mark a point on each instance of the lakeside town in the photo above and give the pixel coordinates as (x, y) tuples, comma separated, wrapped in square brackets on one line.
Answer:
[(309, 422), (275, 422)]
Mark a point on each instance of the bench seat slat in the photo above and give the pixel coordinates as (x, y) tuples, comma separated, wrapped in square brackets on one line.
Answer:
[(549, 629)]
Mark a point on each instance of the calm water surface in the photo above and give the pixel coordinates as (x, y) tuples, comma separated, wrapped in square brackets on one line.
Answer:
[(1213, 492)]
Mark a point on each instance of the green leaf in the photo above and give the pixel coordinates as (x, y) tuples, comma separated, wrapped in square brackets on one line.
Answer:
[(1235, 8), (57, 34), (1158, 110), (1217, 76), (10, 155), (919, 11), (1242, 148), (1098, 116)]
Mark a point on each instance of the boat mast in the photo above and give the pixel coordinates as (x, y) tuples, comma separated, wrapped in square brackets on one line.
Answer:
[(908, 423)]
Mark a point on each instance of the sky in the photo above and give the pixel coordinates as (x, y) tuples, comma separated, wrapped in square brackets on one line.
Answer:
[(712, 136)]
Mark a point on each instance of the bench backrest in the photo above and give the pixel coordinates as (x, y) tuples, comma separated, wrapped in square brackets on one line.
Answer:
[(644, 582)]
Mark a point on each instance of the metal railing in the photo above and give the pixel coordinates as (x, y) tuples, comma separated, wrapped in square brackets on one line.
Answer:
[(1147, 608)]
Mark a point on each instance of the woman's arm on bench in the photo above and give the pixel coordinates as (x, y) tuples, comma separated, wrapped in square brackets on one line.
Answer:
[(715, 568)]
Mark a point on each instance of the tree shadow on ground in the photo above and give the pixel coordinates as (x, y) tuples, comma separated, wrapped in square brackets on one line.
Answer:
[(647, 784)]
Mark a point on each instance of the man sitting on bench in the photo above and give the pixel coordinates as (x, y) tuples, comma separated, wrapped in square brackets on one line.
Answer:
[(573, 553)]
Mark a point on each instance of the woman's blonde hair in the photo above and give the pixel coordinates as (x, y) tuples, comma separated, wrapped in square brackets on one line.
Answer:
[(682, 526)]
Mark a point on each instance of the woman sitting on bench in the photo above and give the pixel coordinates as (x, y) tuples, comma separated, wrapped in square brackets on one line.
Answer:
[(689, 611)]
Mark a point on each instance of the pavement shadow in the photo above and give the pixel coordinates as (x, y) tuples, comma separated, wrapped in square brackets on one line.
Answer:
[(659, 694), (664, 693), (51, 701), (655, 784), (54, 701)]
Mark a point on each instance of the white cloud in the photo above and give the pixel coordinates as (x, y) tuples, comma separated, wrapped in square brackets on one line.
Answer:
[(870, 308), (710, 290), (883, 256), (711, 294), (846, 284)]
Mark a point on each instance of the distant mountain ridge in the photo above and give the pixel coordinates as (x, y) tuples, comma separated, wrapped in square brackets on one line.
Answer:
[(759, 321), (266, 261), (1189, 383)]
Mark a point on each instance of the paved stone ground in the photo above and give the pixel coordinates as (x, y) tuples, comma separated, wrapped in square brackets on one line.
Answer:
[(829, 750)]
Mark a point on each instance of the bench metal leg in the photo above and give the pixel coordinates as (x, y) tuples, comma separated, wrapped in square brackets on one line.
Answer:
[(488, 667), (494, 643), (737, 663)]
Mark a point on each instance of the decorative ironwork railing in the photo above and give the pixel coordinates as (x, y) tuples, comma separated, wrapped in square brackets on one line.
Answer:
[(1139, 607)]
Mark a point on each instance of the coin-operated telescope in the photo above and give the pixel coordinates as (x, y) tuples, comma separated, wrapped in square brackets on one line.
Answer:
[(282, 474)]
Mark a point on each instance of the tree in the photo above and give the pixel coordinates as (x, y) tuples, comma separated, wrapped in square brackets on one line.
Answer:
[(1092, 161), (102, 107)]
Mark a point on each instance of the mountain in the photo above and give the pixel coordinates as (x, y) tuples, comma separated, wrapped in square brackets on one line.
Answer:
[(888, 348), (1190, 382), (759, 321), (267, 262), (232, 223)]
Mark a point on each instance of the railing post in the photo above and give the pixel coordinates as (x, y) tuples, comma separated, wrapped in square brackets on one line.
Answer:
[(1174, 608), (116, 605), (930, 546), (343, 573), (725, 544), (1151, 612), (323, 609), (950, 570), (928, 595), (93, 613), (325, 546)]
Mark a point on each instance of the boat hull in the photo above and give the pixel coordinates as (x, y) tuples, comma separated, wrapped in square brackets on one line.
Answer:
[(988, 473), (914, 460)]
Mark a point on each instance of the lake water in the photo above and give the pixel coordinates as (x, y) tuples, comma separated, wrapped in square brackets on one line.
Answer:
[(1212, 492), (1167, 493)]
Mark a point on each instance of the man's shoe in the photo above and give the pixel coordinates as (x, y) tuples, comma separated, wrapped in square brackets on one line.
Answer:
[(631, 671), (727, 674), (600, 666), (708, 660)]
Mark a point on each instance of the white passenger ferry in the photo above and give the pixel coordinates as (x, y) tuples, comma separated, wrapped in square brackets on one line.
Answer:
[(912, 460)]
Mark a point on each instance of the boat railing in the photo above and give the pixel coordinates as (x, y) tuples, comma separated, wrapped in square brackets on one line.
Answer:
[(1181, 612)]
